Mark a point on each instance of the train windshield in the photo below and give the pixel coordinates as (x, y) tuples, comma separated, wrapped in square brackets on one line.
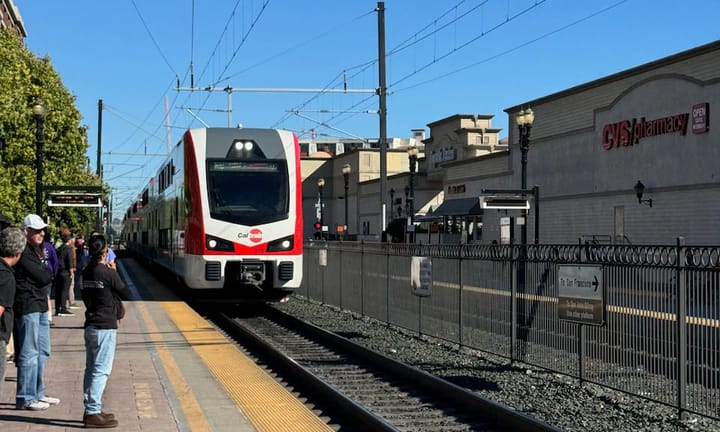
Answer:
[(248, 192)]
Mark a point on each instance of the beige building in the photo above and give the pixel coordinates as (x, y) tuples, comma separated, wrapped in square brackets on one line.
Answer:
[(590, 146), (459, 137)]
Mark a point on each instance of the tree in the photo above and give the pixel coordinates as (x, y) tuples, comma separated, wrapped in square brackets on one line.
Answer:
[(23, 78)]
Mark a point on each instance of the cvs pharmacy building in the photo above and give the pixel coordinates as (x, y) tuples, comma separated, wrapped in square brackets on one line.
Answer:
[(596, 147)]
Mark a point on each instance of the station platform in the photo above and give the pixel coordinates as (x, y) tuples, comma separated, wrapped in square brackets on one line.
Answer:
[(172, 372)]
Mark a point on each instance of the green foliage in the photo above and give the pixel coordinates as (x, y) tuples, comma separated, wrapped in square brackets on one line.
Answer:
[(23, 78)]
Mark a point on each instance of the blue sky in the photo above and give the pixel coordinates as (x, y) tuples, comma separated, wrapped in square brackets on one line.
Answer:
[(444, 58)]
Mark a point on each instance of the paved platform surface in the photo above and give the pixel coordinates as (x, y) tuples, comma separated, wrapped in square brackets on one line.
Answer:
[(157, 383), (173, 371)]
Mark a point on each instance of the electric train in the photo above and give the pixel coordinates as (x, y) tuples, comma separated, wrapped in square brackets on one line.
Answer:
[(224, 214)]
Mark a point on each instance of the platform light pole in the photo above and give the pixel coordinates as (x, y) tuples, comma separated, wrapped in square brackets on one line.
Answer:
[(524, 119), (346, 169), (39, 112), (321, 185), (392, 203), (412, 156)]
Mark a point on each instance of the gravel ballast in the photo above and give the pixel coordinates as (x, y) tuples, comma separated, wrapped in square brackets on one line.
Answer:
[(554, 398)]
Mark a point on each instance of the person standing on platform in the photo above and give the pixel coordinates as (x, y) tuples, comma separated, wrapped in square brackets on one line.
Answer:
[(51, 259), (12, 244), (71, 290), (32, 277), (102, 293), (63, 278), (80, 261), (110, 260)]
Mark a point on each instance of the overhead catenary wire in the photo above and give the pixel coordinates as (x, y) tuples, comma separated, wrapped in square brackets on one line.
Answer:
[(286, 51), (152, 38), (342, 115), (509, 50), (219, 41), (509, 18), (469, 42), (408, 42), (242, 41)]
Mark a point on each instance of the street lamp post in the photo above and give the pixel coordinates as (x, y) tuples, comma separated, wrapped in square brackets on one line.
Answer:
[(407, 213), (524, 121), (346, 169), (392, 204), (321, 184), (412, 155), (38, 110)]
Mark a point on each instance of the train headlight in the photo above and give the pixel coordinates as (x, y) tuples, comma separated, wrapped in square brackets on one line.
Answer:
[(217, 244), (283, 244), (245, 149), (247, 145)]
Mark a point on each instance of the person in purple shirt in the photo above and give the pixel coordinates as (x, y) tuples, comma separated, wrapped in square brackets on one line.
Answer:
[(52, 261)]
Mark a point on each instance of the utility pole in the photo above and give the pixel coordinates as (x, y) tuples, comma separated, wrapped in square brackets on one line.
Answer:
[(99, 139), (382, 93), (98, 215)]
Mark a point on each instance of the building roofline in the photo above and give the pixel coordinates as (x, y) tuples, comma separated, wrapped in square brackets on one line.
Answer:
[(674, 58), (462, 116)]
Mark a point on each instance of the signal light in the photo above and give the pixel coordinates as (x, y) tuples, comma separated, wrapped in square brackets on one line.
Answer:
[(318, 226)]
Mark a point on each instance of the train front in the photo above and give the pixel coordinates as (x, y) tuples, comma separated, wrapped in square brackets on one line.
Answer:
[(244, 219)]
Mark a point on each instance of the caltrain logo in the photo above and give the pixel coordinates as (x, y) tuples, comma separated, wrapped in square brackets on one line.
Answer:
[(254, 235)]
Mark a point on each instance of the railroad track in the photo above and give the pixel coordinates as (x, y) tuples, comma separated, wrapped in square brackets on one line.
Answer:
[(372, 391)]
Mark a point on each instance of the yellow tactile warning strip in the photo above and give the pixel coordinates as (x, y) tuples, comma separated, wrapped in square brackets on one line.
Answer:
[(189, 405), (265, 403)]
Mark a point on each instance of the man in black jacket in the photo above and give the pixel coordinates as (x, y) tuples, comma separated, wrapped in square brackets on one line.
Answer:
[(32, 277), (65, 272), (103, 292)]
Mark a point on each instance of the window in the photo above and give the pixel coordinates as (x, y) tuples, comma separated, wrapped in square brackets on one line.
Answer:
[(482, 140)]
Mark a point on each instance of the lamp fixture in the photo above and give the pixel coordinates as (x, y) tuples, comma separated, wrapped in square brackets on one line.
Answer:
[(639, 189), (412, 151), (525, 117), (38, 109)]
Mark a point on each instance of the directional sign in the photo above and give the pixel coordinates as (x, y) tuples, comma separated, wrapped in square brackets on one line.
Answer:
[(580, 294), (504, 203), (421, 276)]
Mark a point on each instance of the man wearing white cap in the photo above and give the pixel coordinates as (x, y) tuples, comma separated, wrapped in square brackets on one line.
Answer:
[(32, 276)]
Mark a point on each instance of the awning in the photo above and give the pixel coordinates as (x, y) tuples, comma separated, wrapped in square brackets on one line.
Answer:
[(458, 207)]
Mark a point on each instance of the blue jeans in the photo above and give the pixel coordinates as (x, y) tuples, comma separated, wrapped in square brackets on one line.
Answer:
[(99, 355), (3, 363), (33, 333)]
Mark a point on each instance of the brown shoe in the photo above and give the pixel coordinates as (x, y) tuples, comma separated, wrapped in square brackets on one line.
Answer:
[(110, 416), (99, 421)]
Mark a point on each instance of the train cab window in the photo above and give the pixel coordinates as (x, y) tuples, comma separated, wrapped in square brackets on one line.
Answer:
[(248, 192)]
